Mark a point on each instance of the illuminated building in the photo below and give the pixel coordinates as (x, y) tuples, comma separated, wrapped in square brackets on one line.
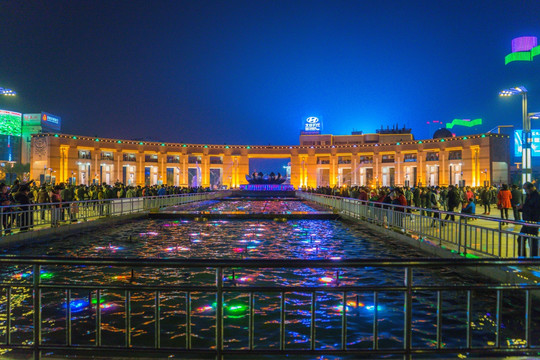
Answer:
[(383, 159)]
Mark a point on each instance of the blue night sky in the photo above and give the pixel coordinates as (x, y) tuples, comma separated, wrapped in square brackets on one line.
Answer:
[(248, 71)]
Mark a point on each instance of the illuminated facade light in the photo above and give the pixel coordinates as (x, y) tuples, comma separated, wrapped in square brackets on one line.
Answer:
[(206, 146), (162, 144), (464, 138), (524, 48), (420, 142), (141, 143), (464, 122), (184, 145), (248, 147), (55, 135), (226, 146), (119, 142), (524, 43), (96, 140), (483, 135), (74, 138)]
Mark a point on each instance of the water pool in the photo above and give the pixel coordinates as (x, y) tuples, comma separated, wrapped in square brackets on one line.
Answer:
[(262, 239)]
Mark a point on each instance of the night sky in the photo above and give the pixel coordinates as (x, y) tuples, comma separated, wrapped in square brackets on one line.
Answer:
[(248, 72)]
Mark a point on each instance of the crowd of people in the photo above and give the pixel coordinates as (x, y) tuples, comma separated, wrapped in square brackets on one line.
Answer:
[(450, 198), (60, 196)]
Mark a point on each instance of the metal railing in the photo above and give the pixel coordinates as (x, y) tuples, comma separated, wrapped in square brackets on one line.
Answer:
[(457, 231), (34, 291), (35, 216)]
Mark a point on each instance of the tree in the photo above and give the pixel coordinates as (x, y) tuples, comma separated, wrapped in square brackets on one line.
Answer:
[(21, 170)]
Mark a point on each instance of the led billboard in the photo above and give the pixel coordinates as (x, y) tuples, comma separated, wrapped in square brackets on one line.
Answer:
[(535, 142), (50, 123), (10, 123)]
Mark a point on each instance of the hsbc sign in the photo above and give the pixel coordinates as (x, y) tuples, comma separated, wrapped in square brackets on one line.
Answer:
[(50, 122)]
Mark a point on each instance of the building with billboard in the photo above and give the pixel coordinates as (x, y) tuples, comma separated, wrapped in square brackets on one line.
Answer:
[(384, 159), (16, 132)]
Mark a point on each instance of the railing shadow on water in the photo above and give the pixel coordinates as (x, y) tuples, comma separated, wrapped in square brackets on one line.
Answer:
[(210, 307), (39, 216), (470, 235)]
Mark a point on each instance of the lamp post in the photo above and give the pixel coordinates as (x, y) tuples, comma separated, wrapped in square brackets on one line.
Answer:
[(7, 92), (526, 168)]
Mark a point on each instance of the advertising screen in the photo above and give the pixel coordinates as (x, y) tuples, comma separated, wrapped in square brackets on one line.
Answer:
[(50, 122), (32, 119), (10, 123), (535, 143), (312, 125)]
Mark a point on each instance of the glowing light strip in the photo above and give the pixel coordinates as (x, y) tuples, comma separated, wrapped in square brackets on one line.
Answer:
[(524, 43), (535, 51), (464, 122), (524, 48)]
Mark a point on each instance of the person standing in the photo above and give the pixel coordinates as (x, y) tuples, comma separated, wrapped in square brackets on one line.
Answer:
[(504, 197), (486, 200), (25, 214), (56, 205), (434, 201), (531, 213), (453, 202), (5, 200), (516, 201)]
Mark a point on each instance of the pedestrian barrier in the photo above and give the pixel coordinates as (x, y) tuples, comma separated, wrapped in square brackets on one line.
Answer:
[(35, 216), (462, 233), (78, 325)]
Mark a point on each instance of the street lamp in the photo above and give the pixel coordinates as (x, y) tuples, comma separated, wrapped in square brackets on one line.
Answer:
[(526, 169), (7, 92)]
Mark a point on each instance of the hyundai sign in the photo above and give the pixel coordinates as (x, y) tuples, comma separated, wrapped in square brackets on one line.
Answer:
[(50, 122), (312, 125), (535, 142)]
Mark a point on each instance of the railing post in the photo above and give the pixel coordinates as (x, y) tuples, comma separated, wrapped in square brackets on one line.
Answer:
[(500, 238), (37, 311), (459, 235), (407, 336), (219, 313)]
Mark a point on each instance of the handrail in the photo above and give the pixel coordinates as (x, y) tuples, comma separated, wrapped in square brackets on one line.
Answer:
[(494, 237), (220, 288), (413, 208), (266, 263), (27, 216)]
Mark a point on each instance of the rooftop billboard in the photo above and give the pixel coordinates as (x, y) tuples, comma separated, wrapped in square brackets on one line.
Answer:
[(50, 122), (535, 143)]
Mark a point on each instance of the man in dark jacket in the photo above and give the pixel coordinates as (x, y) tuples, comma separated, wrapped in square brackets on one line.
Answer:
[(531, 213), (453, 202), (25, 215), (516, 201)]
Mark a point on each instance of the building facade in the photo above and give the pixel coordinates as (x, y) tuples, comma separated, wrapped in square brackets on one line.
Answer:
[(319, 160)]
